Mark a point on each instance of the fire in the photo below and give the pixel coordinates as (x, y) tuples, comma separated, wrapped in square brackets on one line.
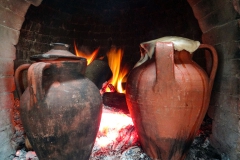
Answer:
[(114, 61), (111, 123), (89, 57), (121, 78)]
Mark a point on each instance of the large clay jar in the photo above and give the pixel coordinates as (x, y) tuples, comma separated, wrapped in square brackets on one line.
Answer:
[(168, 96), (60, 109)]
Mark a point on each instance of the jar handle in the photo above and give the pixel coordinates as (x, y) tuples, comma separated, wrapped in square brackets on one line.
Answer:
[(164, 62), (17, 77), (35, 73), (214, 63)]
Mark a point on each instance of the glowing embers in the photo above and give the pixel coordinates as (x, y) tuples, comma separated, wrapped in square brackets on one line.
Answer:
[(115, 135), (111, 124)]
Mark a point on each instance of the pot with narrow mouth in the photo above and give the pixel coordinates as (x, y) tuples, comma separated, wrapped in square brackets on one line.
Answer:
[(61, 108), (168, 95)]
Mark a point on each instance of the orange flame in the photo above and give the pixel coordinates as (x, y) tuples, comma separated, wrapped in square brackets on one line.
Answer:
[(114, 61), (121, 76), (89, 57)]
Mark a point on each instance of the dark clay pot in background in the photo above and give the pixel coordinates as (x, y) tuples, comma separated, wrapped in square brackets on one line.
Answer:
[(98, 71), (60, 109), (168, 97)]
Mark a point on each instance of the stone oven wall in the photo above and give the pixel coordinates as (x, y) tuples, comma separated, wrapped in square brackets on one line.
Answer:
[(124, 24), (11, 18), (219, 22)]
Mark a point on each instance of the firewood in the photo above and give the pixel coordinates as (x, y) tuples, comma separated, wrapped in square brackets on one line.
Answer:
[(116, 100)]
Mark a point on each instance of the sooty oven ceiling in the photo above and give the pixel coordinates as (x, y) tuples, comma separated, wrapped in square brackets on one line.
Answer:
[(91, 24)]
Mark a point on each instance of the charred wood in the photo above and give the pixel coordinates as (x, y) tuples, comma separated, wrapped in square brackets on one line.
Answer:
[(116, 100)]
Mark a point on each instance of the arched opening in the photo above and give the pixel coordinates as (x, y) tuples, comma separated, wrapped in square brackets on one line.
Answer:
[(125, 24)]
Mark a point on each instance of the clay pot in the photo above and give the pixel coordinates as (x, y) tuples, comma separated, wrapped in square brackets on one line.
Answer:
[(168, 97), (98, 71), (60, 109)]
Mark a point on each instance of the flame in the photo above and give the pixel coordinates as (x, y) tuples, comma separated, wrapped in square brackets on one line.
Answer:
[(114, 61), (122, 74), (111, 123), (89, 57)]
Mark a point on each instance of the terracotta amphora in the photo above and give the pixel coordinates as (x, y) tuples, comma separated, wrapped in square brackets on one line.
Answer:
[(168, 96), (60, 109)]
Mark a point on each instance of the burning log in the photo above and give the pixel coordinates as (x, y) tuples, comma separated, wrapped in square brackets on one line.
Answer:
[(115, 100), (98, 72)]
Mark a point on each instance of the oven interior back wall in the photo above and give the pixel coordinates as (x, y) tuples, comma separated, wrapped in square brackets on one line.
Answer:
[(105, 24)]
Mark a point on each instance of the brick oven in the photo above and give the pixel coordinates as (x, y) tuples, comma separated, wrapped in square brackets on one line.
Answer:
[(29, 26)]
